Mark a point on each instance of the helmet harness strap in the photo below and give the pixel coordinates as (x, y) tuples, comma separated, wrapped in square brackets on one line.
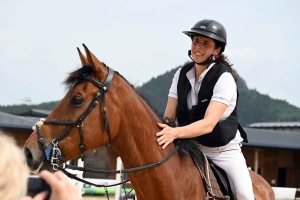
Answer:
[(210, 60)]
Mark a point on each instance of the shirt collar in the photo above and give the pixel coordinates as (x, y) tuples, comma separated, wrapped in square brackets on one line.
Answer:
[(191, 73)]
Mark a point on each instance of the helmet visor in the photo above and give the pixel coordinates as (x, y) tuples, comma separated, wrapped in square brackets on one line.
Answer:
[(205, 33)]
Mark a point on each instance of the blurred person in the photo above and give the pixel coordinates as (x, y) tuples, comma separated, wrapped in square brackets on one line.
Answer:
[(13, 170), (14, 175)]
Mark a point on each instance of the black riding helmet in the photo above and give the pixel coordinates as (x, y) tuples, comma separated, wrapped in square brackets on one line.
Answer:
[(211, 29)]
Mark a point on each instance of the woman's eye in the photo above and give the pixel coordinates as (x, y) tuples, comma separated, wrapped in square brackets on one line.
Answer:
[(77, 100)]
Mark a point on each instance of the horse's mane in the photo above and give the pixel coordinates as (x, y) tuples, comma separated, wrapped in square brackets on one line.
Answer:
[(186, 146)]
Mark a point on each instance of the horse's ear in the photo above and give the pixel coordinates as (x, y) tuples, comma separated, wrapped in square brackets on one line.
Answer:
[(82, 57), (93, 61)]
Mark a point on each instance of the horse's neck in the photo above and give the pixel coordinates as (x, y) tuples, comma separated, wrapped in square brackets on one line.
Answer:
[(136, 141), (137, 146)]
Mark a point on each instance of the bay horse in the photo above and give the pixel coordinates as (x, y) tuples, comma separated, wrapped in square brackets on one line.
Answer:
[(123, 119)]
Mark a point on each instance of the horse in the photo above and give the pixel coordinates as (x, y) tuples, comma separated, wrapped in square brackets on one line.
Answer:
[(124, 120)]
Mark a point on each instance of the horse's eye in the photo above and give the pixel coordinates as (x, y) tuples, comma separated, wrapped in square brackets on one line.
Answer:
[(77, 100)]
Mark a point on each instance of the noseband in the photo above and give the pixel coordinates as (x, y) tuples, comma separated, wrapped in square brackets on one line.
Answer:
[(52, 152)]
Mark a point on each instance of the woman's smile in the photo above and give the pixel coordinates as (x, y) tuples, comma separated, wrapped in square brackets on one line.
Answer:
[(202, 48)]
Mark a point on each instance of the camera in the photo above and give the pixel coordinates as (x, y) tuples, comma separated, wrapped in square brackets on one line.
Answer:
[(36, 185)]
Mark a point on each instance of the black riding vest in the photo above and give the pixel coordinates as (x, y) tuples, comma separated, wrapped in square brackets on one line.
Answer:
[(225, 130)]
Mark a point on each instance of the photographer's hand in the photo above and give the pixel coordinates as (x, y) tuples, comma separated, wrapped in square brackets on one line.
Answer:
[(61, 187), (40, 196)]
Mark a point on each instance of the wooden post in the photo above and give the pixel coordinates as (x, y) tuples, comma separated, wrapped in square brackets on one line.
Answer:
[(256, 160)]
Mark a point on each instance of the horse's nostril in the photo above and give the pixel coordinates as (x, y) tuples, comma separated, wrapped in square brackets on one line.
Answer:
[(33, 162), (29, 157)]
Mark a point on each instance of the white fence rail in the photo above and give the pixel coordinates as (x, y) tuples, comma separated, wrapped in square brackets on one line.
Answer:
[(281, 193), (284, 193)]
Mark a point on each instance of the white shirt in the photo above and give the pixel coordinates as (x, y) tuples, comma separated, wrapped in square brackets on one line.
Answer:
[(223, 92)]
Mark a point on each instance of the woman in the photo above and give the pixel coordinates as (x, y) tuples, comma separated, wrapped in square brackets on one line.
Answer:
[(203, 98)]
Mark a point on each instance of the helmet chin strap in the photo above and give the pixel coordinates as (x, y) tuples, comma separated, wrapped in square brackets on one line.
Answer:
[(208, 61)]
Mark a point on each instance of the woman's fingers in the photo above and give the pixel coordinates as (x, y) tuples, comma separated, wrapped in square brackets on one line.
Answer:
[(160, 125), (161, 140), (166, 136), (165, 145)]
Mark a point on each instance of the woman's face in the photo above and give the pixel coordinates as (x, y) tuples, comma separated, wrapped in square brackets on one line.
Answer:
[(202, 48)]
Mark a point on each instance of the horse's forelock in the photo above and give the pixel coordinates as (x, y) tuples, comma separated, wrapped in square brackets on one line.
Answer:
[(75, 77)]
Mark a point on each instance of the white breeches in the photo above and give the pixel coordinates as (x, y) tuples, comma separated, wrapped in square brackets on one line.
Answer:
[(231, 159)]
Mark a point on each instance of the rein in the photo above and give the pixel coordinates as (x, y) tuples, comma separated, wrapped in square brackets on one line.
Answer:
[(121, 171), (153, 165), (53, 153)]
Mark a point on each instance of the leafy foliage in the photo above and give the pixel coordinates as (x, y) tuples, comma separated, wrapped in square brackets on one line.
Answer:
[(256, 107)]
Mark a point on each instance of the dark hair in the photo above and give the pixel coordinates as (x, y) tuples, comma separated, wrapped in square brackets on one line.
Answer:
[(223, 59)]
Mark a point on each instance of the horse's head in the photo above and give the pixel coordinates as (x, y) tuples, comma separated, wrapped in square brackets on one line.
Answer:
[(79, 122)]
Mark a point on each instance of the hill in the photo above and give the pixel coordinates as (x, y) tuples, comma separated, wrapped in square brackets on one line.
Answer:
[(18, 109), (252, 107)]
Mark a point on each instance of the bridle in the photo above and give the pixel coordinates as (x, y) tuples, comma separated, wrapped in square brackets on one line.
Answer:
[(53, 153)]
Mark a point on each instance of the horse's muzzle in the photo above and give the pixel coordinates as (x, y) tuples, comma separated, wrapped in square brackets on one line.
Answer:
[(34, 162)]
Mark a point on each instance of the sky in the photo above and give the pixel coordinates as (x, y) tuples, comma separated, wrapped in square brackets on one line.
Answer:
[(142, 40)]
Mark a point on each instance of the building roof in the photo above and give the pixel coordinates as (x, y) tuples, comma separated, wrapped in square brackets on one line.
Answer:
[(36, 113), (9, 121), (272, 139), (274, 124), (257, 137)]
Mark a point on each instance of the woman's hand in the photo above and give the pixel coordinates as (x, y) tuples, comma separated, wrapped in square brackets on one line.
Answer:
[(167, 135)]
